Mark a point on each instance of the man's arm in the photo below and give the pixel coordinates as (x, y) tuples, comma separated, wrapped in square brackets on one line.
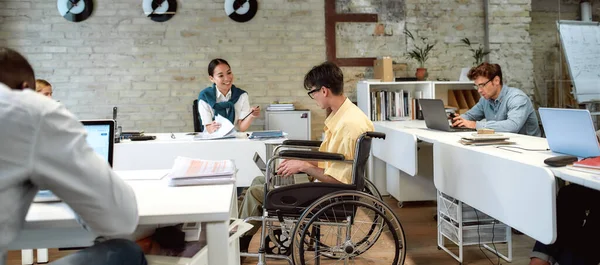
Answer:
[(319, 173), (64, 163), (291, 167), (518, 108), (475, 113)]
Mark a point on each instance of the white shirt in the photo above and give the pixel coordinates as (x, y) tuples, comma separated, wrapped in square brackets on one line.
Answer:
[(242, 107), (44, 146)]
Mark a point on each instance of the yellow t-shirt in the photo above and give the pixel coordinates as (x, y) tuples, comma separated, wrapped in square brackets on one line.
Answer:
[(342, 129)]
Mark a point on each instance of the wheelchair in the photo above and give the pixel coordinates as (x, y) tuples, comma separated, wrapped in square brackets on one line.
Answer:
[(325, 223)]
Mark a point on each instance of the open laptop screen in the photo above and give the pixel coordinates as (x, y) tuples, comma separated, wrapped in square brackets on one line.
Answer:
[(101, 137)]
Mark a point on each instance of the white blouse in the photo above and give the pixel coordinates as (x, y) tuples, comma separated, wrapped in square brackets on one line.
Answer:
[(242, 107)]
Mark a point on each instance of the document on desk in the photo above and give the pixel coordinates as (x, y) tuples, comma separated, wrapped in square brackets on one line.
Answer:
[(227, 130), (188, 171)]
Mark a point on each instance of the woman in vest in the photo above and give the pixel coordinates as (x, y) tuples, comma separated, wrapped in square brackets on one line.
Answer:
[(225, 99)]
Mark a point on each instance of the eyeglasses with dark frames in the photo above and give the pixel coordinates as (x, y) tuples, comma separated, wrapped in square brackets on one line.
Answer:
[(310, 93), (478, 86)]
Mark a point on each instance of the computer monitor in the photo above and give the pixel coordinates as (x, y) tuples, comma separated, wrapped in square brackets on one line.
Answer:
[(101, 137), (570, 131)]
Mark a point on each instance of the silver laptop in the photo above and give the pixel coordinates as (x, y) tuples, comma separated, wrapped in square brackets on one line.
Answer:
[(435, 116), (101, 137), (276, 180), (570, 132)]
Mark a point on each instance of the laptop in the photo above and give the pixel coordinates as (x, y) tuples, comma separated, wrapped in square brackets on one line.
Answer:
[(570, 132), (276, 180), (101, 137), (435, 116)]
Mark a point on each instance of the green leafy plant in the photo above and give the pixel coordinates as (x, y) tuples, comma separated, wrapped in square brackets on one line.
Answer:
[(419, 52), (478, 54)]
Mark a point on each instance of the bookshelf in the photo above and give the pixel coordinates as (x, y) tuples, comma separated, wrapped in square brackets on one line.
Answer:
[(408, 186)]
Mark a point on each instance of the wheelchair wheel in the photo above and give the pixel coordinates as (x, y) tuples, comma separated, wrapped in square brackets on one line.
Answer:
[(277, 243), (372, 190), (341, 228)]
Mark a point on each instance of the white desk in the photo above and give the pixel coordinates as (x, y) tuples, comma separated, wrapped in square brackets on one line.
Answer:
[(515, 188), (160, 153), (54, 224)]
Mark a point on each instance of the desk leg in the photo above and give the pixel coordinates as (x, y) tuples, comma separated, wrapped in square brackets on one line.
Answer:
[(217, 238)]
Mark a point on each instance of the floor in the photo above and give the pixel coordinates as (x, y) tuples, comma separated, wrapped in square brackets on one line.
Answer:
[(421, 237)]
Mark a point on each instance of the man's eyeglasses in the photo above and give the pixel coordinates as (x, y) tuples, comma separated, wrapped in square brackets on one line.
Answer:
[(478, 86), (310, 93)]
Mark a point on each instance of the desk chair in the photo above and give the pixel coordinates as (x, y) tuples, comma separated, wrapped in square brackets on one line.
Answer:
[(308, 223), (196, 116)]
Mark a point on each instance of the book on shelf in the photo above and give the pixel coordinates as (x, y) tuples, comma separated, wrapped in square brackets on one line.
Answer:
[(188, 171), (394, 105)]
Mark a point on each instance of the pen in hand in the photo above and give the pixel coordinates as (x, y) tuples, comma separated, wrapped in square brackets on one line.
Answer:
[(250, 113)]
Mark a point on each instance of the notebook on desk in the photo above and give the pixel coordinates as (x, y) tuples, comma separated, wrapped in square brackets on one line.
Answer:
[(101, 137)]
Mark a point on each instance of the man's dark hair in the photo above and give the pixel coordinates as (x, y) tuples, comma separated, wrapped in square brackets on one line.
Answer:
[(486, 70), (15, 71), (326, 74)]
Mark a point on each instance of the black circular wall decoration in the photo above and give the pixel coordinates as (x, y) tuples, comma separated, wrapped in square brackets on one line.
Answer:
[(241, 10), (75, 10), (159, 10)]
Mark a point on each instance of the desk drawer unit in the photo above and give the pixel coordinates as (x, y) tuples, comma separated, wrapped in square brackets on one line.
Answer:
[(464, 225)]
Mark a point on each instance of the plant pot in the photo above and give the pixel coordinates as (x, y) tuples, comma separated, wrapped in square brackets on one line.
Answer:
[(421, 74)]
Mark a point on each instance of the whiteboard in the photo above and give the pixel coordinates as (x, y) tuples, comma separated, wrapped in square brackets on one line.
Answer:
[(581, 44)]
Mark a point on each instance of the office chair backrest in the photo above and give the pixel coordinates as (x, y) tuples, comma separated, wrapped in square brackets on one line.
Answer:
[(197, 120), (361, 156)]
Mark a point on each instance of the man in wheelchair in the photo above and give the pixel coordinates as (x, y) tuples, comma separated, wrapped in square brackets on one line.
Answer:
[(345, 124)]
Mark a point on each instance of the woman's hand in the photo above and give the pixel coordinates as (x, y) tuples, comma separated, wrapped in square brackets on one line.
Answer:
[(212, 127), (255, 111)]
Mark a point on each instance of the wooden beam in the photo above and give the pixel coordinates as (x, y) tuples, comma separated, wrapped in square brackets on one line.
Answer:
[(355, 61), (356, 18), (331, 18)]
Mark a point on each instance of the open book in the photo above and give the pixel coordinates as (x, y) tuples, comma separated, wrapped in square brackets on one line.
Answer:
[(188, 171), (227, 130)]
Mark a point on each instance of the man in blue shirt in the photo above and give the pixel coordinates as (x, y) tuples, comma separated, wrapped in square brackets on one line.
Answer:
[(504, 108)]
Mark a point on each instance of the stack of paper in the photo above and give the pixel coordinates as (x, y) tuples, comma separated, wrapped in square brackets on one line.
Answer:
[(485, 139), (227, 130), (188, 171), (266, 134), (281, 106)]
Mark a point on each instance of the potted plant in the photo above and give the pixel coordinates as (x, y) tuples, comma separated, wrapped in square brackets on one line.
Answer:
[(419, 53), (478, 54)]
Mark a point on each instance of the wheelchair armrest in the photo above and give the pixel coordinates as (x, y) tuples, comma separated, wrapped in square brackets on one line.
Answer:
[(378, 135), (302, 143), (313, 155), (292, 198)]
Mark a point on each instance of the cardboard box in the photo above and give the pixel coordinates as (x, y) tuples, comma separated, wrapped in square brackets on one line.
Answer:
[(383, 69)]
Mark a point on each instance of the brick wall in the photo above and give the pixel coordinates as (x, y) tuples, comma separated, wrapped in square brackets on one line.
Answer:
[(153, 71)]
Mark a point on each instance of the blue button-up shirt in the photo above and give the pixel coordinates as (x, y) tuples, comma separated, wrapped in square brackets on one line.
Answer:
[(511, 112)]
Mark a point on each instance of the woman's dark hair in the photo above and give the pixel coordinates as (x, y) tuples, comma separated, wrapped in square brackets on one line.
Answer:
[(214, 63), (327, 75), (15, 70)]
